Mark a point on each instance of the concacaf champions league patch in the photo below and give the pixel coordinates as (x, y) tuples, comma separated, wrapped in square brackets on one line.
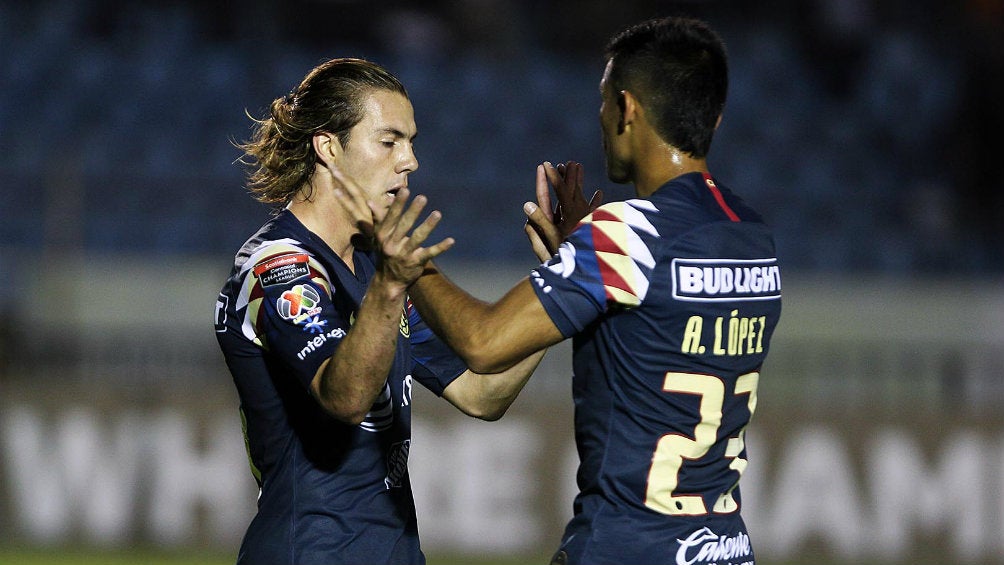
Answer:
[(282, 269)]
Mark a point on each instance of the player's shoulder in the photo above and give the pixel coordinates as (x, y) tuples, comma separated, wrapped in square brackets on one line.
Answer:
[(277, 264), (637, 214), (278, 243), (261, 254)]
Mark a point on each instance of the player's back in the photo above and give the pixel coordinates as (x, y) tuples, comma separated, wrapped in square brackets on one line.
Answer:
[(665, 382)]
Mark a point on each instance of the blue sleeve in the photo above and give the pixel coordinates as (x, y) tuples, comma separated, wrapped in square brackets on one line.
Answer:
[(435, 364), (290, 312), (605, 263)]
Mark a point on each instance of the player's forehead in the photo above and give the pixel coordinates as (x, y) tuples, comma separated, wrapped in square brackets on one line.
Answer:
[(388, 112)]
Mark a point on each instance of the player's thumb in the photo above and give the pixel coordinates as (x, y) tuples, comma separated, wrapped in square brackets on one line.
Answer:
[(543, 225)]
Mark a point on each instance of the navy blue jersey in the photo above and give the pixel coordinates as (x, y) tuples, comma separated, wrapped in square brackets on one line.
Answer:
[(330, 492), (672, 301)]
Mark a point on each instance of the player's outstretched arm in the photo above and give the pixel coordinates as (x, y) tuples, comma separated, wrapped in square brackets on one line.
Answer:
[(488, 395), (489, 337)]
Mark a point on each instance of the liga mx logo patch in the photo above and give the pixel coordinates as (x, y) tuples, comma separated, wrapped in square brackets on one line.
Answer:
[(299, 303), (708, 280)]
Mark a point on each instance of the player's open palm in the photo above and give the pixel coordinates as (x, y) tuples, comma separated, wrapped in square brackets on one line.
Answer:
[(354, 201), (399, 242), (547, 228), (400, 255), (566, 178)]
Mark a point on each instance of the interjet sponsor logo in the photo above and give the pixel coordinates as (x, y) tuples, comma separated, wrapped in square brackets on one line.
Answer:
[(705, 546), (317, 341), (706, 280)]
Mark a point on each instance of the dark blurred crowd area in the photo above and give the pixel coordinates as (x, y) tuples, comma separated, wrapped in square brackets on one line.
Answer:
[(865, 131)]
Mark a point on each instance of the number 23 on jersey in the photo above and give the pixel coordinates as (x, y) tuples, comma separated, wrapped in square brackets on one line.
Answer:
[(673, 449)]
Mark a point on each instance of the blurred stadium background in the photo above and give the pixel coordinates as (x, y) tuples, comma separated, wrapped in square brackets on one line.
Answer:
[(865, 131)]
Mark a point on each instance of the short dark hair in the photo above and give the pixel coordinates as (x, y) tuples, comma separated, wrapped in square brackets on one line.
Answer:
[(280, 154), (678, 69)]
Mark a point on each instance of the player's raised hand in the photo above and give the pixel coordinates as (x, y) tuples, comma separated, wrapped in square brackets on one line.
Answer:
[(354, 201), (541, 232), (547, 228), (540, 229), (566, 178), (401, 255)]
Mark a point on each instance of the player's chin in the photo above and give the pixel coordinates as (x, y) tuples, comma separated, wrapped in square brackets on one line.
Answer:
[(617, 174), (380, 212)]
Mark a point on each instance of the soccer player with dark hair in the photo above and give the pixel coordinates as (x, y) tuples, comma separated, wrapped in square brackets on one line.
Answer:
[(322, 344), (670, 298)]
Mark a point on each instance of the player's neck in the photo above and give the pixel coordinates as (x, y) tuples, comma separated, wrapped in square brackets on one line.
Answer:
[(662, 166), (324, 219)]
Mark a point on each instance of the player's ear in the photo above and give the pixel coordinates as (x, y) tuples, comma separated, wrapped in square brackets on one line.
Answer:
[(327, 146), (628, 106)]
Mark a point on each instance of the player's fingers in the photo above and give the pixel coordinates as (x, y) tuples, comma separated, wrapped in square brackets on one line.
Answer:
[(434, 251), (390, 224), (566, 188), (349, 187), (545, 227), (421, 233), (353, 200), (543, 189), (596, 201), (410, 216), (359, 212), (535, 215), (574, 176), (536, 242), (554, 176), (348, 184)]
